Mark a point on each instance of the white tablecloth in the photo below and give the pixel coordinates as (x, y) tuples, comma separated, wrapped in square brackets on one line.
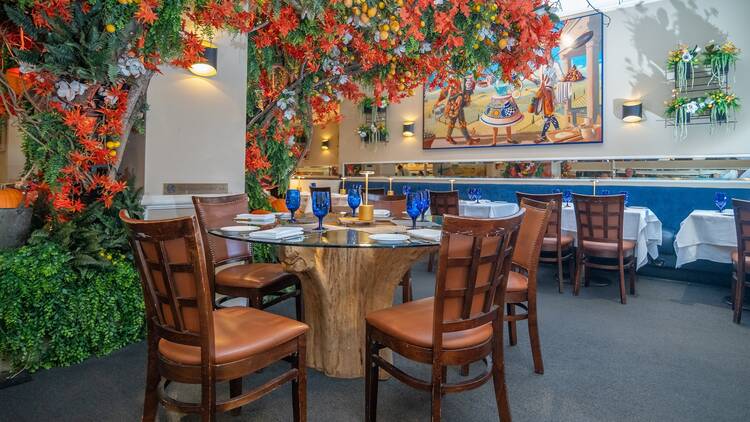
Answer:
[(707, 235), (486, 209), (640, 224), (337, 200)]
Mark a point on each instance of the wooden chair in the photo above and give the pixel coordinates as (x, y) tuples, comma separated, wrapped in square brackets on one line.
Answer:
[(442, 203), (254, 281), (521, 290), (191, 342), (742, 222), (323, 189), (557, 247), (461, 324), (599, 222), (396, 205)]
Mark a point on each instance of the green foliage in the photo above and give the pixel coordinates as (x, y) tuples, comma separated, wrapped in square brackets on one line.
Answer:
[(47, 144), (53, 315), (93, 231)]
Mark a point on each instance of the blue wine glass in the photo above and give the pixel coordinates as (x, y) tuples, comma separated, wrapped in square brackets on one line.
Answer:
[(354, 199), (556, 190), (321, 202), (413, 207), (424, 203), (478, 194), (292, 203), (472, 194), (720, 200), (405, 190), (567, 196), (604, 192), (627, 196)]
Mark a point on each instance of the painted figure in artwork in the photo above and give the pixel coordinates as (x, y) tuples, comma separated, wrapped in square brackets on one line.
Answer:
[(456, 95), (544, 103)]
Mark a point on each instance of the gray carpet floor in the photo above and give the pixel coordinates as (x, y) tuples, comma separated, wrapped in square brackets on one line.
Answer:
[(671, 354)]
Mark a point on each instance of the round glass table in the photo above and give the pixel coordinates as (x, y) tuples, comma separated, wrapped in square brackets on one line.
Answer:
[(345, 275)]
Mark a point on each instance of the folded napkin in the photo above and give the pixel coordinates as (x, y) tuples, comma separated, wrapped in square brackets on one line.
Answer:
[(381, 213), (277, 233), (426, 234), (259, 218)]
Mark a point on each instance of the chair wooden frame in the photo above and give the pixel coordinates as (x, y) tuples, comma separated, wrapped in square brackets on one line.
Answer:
[(589, 230), (161, 371), (505, 231), (288, 287), (739, 276), (526, 262), (395, 204), (442, 203), (554, 229)]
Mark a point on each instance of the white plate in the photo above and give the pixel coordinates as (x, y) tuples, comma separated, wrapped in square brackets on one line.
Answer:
[(239, 229), (244, 216), (390, 238)]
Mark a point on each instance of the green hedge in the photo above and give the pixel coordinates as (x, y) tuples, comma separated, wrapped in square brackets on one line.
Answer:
[(52, 313)]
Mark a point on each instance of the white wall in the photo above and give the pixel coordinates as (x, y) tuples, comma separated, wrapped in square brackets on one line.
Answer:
[(636, 46), (195, 127)]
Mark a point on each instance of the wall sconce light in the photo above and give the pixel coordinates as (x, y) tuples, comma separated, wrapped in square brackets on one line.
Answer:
[(408, 129), (209, 66), (632, 111), (324, 144)]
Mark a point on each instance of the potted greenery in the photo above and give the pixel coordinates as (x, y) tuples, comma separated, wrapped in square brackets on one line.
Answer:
[(367, 103), (364, 133), (719, 104), (682, 61), (719, 58), (680, 109), (382, 133)]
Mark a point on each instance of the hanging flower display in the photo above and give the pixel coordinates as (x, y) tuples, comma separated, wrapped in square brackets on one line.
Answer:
[(681, 61), (719, 58)]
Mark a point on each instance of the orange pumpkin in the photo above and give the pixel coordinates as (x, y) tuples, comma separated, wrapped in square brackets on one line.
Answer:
[(16, 80), (279, 205), (10, 198)]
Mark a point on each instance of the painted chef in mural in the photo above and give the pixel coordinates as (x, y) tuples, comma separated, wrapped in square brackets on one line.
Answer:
[(455, 96), (544, 103)]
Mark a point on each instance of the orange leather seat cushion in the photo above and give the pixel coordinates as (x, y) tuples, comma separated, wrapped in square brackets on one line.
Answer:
[(238, 334), (251, 275), (550, 243), (517, 282), (608, 250), (412, 323)]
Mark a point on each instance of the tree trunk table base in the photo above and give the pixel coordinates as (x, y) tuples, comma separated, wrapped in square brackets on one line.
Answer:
[(339, 287)]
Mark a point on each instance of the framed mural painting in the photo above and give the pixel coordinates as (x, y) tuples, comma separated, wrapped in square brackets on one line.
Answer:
[(560, 104)]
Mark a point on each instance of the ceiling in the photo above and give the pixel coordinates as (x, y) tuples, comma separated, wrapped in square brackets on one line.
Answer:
[(572, 7)]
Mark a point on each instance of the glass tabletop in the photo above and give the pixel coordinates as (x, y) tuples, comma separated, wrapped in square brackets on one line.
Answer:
[(338, 238)]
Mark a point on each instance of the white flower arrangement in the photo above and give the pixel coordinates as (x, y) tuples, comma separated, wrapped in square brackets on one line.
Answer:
[(131, 66), (68, 91)]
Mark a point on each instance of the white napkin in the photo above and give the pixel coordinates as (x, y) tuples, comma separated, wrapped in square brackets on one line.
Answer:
[(381, 213), (277, 233), (426, 234)]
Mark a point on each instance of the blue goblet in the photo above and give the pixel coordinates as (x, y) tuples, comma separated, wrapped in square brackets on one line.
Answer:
[(478, 194), (321, 202), (413, 207), (567, 196), (424, 203), (354, 199), (604, 192), (405, 190), (627, 196), (472, 193), (556, 190), (292, 203), (720, 200)]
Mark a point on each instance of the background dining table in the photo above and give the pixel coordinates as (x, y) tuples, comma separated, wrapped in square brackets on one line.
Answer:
[(486, 209), (639, 224), (706, 234), (345, 275)]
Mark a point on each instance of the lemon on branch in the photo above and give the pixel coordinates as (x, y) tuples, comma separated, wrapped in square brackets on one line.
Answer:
[(110, 28)]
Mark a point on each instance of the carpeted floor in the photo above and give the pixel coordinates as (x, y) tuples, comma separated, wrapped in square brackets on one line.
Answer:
[(671, 354)]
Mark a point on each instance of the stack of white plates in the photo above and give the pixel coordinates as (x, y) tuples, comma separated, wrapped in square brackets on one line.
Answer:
[(260, 219), (381, 213), (239, 229), (277, 233)]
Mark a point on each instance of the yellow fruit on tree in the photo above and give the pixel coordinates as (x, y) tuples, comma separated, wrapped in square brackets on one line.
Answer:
[(355, 10), (477, 8), (117, 144), (348, 3), (123, 1), (110, 145), (364, 19), (401, 87), (383, 35), (381, 5), (109, 28), (395, 26), (478, 26), (113, 153), (421, 24), (502, 43), (385, 27), (399, 3), (476, 46), (371, 12), (364, 7)]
